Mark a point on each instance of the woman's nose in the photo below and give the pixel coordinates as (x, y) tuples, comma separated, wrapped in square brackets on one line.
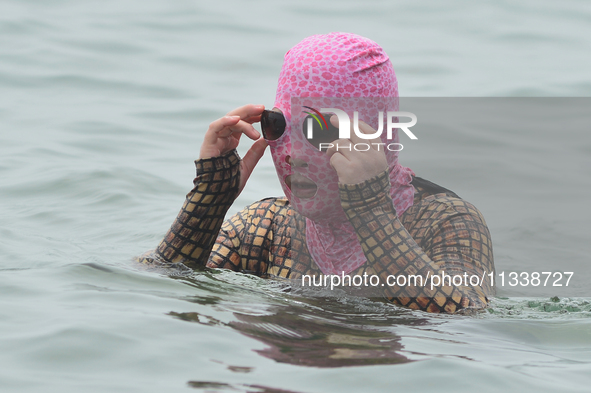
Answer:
[(296, 162)]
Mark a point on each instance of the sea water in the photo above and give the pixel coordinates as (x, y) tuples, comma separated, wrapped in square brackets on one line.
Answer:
[(103, 107)]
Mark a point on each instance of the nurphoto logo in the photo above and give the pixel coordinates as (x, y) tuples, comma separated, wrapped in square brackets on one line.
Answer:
[(344, 130)]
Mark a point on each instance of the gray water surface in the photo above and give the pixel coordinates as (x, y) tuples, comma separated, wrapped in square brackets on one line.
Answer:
[(103, 106)]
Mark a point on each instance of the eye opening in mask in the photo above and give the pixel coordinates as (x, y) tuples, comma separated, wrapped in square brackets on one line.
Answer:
[(319, 133)]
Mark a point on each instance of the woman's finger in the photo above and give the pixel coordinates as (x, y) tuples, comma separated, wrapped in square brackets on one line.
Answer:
[(251, 158), (339, 163), (365, 128), (216, 126), (247, 111), (339, 146), (241, 127), (253, 119)]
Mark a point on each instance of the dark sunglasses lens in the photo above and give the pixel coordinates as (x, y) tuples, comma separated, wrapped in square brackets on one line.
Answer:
[(272, 125)]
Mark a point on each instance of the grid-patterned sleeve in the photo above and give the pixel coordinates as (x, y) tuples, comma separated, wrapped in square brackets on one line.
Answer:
[(454, 241), (256, 240), (195, 229)]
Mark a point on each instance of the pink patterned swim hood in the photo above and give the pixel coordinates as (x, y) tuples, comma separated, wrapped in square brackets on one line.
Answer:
[(330, 70)]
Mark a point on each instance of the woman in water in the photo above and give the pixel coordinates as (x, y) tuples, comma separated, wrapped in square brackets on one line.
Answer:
[(346, 212)]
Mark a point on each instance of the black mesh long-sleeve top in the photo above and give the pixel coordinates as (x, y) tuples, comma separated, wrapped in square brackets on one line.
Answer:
[(441, 234)]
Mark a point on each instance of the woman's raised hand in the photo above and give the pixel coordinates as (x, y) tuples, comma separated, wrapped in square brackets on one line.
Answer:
[(355, 166), (223, 135)]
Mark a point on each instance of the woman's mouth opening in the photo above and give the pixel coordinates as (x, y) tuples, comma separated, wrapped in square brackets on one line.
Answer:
[(301, 186)]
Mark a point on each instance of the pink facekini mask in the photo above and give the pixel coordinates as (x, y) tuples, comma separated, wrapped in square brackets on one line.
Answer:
[(336, 70)]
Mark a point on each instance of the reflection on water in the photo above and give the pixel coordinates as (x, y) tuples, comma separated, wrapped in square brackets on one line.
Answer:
[(247, 388), (305, 339)]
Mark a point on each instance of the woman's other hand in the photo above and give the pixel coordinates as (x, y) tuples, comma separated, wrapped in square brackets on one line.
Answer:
[(356, 166)]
